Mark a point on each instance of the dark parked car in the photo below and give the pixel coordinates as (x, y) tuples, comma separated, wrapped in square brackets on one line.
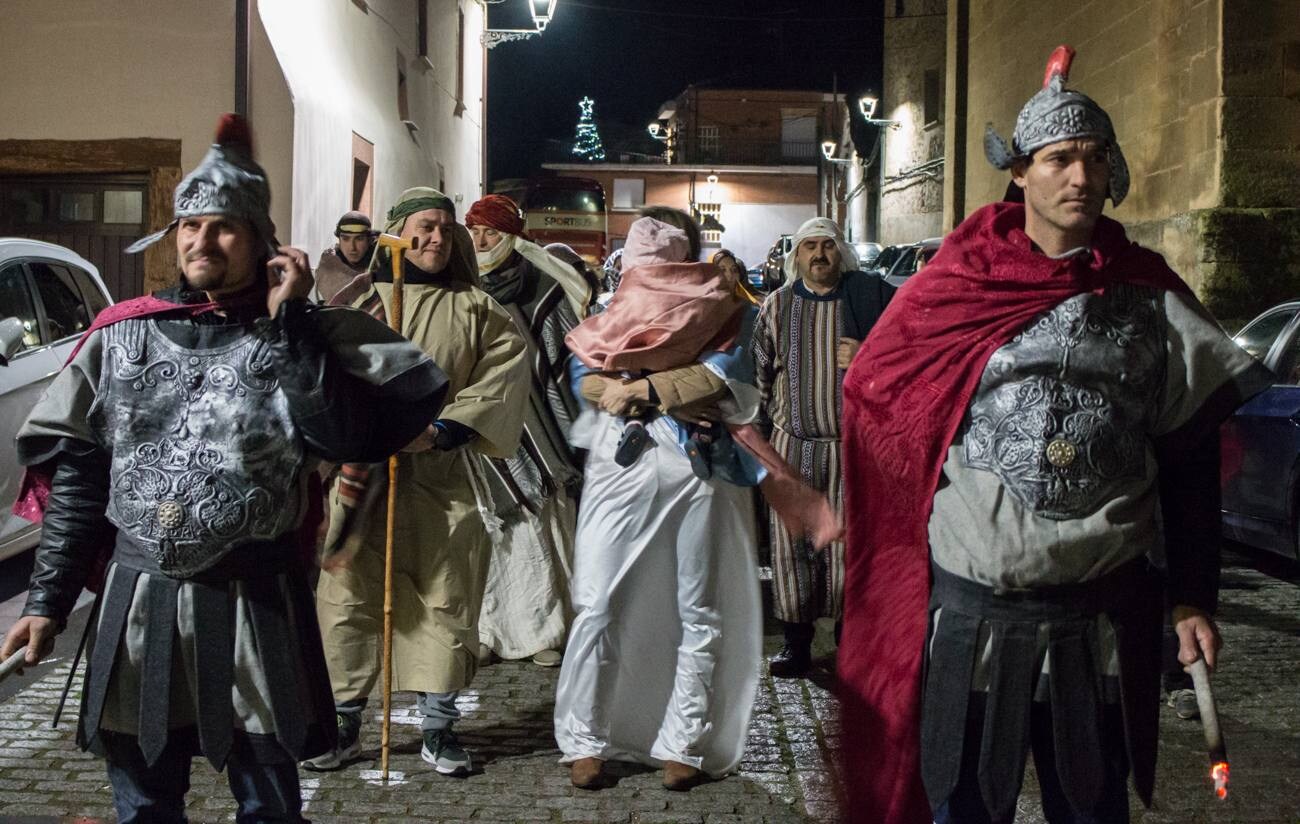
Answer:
[(910, 259), (1261, 441)]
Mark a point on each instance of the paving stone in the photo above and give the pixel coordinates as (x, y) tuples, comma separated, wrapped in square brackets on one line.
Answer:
[(786, 777)]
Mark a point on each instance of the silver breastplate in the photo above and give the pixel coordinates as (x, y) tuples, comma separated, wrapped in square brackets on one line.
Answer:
[(205, 453), (1062, 412)]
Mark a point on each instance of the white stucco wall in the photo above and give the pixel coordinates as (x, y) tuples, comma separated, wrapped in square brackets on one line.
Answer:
[(341, 63), (98, 69), (752, 228), (321, 69)]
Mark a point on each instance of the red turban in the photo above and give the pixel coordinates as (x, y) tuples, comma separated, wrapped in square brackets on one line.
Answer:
[(498, 212)]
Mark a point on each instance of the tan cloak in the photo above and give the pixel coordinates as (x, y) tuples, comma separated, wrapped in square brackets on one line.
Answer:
[(441, 545)]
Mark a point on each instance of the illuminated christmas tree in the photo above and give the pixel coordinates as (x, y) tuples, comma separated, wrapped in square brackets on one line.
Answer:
[(586, 144)]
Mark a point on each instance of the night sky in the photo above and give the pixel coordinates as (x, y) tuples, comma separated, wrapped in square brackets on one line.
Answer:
[(632, 55)]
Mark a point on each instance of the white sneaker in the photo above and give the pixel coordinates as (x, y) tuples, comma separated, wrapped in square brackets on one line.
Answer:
[(443, 750), (347, 750)]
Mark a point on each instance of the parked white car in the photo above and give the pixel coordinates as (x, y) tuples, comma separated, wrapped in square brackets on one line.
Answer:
[(48, 297)]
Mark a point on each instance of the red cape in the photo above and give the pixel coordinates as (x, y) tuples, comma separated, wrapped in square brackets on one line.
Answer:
[(904, 398)]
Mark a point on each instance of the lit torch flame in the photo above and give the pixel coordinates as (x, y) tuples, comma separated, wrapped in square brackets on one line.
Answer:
[(1219, 772)]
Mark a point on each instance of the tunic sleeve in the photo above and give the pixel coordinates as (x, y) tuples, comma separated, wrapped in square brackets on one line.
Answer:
[(58, 422), (764, 346), (357, 390), (1207, 377), (56, 440), (493, 399)]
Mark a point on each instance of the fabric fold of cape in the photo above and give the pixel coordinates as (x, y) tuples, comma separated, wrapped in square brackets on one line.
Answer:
[(904, 399)]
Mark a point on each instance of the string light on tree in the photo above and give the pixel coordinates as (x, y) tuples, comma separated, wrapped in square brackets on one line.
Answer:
[(586, 144)]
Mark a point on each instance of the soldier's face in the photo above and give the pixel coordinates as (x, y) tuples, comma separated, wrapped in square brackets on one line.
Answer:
[(217, 253), (1065, 184), (434, 229), (355, 246)]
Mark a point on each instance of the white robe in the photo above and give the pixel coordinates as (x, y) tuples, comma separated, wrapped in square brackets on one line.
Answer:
[(663, 656)]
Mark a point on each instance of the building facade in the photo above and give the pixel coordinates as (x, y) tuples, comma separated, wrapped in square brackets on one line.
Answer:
[(350, 103), (750, 159), (1205, 97), (912, 96)]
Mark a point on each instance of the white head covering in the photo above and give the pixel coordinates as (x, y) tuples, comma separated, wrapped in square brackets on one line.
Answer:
[(819, 227)]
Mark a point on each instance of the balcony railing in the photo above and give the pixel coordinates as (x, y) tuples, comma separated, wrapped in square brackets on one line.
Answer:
[(748, 152), (707, 153)]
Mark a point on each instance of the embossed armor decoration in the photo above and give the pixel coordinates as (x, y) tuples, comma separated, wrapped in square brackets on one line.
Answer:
[(1055, 114), (205, 453), (226, 182), (1062, 411)]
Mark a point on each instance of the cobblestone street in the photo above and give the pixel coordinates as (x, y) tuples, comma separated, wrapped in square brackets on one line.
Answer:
[(786, 775)]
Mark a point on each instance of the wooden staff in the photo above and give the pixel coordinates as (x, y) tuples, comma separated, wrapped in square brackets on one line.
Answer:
[(396, 247)]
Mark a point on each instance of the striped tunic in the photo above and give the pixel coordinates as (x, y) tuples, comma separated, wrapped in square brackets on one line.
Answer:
[(794, 351)]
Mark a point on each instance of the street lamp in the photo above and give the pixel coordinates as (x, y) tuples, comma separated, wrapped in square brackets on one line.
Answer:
[(541, 10), (829, 148), (867, 105), (657, 131)]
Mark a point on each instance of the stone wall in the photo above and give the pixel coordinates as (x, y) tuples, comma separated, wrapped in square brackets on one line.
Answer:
[(916, 40), (1205, 96)]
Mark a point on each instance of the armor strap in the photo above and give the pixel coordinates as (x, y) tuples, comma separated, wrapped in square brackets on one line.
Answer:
[(214, 657), (949, 669), (155, 691), (108, 636), (1074, 685), (270, 626), (1013, 669)]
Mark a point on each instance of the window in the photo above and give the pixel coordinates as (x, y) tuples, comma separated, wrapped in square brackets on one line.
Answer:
[(460, 63), (1288, 368), (403, 108), (629, 192), (707, 136), (90, 293), (422, 27), (16, 302), (710, 237), (23, 205), (798, 134), (933, 102), (123, 206), (65, 312), (1258, 337), (76, 207), (363, 178)]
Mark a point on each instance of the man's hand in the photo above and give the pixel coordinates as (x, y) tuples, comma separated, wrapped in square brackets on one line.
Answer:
[(1198, 637), (621, 397), (289, 276), (424, 441), (34, 631), (845, 349)]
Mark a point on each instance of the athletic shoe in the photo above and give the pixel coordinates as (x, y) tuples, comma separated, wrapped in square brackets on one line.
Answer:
[(548, 658), (443, 750), (348, 748)]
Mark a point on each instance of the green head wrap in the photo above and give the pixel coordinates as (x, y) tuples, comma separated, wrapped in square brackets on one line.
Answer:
[(415, 200), (461, 266)]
